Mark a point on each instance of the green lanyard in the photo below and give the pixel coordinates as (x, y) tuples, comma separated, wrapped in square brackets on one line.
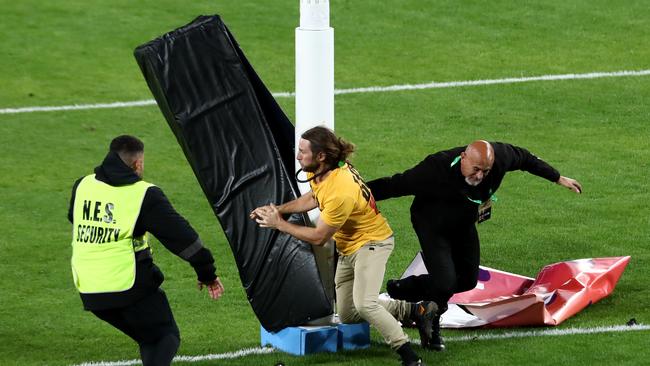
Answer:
[(455, 161), (493, 197)]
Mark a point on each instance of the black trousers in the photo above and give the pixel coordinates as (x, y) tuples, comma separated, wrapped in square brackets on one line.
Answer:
[(451, 255), (149, 322)]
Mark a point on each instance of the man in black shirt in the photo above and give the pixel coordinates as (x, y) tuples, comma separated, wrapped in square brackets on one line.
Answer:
[(112, 211), (453, 190)]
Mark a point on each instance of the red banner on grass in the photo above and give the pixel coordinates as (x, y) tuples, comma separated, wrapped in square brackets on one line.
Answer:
[(559, 291)]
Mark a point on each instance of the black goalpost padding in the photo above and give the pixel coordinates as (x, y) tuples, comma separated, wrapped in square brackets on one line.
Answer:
[(239, 144)]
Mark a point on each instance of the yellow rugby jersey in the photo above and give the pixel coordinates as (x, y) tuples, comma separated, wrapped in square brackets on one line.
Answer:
[(346, 203)]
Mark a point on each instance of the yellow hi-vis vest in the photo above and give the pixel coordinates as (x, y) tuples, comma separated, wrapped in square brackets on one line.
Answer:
[(103, 246)]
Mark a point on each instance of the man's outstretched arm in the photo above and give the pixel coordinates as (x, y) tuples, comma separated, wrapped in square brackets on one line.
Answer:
[(304, 203), (518, 158), (420, 180), (270, 216), (570, 183)]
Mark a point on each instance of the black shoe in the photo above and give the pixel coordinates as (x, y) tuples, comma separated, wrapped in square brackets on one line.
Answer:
[(436, 343), (417, 362), (408, 356), (423, 314)]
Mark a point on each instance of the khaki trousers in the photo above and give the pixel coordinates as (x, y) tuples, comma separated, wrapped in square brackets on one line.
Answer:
[(358, 279)]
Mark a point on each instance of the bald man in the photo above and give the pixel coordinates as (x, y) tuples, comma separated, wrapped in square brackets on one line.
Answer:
[(454, 190)]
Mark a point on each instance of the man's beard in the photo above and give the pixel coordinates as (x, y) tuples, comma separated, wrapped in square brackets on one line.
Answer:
[(472, 182), (311, 168)]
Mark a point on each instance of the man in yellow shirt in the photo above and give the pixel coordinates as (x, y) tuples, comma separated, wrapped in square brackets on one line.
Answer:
[(363, 239)]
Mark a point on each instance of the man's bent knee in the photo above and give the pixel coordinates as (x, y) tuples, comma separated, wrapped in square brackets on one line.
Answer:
[(367, 310), (348, 317)]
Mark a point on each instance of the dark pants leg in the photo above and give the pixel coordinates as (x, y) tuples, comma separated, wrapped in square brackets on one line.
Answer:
[(149, 322), (451, 257)]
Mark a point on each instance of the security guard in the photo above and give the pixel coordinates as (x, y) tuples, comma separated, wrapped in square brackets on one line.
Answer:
[(454, 189), (112, 211)]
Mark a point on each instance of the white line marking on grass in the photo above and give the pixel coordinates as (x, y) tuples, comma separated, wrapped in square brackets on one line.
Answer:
[(477, 337), (219, 356), (370, 89), (223, 356), (454, 84), (76, 107), (545, 333)]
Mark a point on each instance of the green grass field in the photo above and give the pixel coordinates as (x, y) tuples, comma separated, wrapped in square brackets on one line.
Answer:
[(80, 52)]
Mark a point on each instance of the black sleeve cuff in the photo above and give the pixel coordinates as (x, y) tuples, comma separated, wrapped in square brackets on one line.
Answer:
[(206, 273), (203, 265)]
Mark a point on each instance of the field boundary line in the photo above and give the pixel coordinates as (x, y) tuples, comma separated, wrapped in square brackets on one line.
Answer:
[(218, 356), (477, 337), (550, 333), (370, 89)]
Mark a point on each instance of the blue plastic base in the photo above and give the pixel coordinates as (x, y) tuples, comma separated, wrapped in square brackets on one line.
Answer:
[(353, 336), (305, 340)]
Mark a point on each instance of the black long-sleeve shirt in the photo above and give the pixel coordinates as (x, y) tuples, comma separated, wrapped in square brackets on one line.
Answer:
[(158, 217), (442, 197)]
